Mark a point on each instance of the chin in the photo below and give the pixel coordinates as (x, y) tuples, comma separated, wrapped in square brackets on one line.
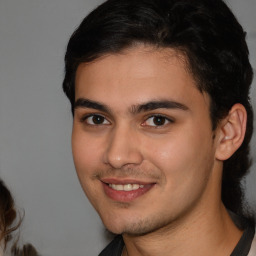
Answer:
[(114, 227), (133, 227)]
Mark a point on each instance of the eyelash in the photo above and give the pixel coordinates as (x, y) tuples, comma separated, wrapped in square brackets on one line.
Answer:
[(166, 120)]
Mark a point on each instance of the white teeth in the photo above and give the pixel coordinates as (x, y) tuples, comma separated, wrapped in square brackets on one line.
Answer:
[(135, 186), (126, 187)]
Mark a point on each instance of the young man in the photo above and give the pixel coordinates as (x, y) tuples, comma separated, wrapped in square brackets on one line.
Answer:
[(162, 122)]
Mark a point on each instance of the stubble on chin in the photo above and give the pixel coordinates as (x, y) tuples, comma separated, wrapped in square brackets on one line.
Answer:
[(141, 227)]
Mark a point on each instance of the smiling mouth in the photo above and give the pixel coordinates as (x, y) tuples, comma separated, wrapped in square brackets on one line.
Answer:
[(125, 191)]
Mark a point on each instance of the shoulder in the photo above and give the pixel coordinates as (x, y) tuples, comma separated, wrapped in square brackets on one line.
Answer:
[(252, 251), (115, 247), (1, 248)]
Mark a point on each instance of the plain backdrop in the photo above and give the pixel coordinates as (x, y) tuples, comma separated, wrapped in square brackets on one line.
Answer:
[(35, 123)]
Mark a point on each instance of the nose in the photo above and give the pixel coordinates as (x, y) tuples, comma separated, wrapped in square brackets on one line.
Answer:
[(122, 148)]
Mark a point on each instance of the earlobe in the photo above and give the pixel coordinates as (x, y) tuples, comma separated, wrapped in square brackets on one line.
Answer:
[(231, 132)]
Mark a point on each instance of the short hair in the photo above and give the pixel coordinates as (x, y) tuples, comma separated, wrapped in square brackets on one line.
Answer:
[(206, 32)]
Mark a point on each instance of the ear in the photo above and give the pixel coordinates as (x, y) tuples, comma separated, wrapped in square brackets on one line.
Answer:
[(231, 132)]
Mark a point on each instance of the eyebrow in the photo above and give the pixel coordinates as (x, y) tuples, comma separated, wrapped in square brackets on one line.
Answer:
[(135, 109), (85, 103), (153, 105)]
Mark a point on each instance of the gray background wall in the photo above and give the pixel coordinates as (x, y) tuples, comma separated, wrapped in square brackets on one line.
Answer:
[(35, 123)]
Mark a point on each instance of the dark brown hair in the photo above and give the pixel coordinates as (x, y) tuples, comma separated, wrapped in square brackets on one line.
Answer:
[(10, 221)]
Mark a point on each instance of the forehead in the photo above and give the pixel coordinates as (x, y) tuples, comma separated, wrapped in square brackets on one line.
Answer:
[(137, 74)]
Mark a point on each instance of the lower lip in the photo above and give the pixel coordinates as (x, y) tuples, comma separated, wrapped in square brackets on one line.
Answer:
[(125, 196)]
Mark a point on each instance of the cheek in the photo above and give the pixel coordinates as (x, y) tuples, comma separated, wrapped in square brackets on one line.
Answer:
[(86, 159), (86, 153), (182, 157), (171, 152), (185, 166)]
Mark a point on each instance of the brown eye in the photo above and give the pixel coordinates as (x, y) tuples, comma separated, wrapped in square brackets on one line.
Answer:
[(96, 120), (157, 120)]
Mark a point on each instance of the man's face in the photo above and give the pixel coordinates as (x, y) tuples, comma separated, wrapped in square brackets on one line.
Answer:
[(142, 141)]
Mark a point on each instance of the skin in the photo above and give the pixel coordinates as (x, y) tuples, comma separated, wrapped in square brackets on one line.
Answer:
[(169, 148)]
